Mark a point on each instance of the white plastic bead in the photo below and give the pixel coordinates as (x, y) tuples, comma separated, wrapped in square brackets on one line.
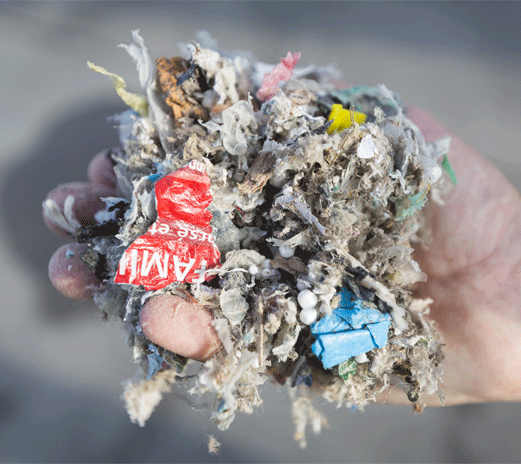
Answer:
[(266, 273), (307, 299), (308, 316), (253, 269), (266, 263), (278, 179), (286, 251)]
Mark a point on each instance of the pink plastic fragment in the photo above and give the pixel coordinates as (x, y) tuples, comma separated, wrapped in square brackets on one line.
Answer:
[(179, 246), (282, 72)]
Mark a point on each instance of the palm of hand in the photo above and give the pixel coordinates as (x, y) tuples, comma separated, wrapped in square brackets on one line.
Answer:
[(473, 264), (474, 269)]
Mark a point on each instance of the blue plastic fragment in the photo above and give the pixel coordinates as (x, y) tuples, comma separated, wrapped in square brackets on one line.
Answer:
[(154, 361), (302, 374), (160, 172), (222, 406), (304, 380), (354, 328), (155, 177)]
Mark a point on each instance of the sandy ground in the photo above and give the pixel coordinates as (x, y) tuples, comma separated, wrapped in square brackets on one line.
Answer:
[(61, 367)]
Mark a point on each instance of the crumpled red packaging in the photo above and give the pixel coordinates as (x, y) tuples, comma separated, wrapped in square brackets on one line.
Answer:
[(179, 246)]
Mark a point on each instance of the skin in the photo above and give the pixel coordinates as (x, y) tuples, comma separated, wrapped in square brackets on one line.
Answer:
[(473, 264)]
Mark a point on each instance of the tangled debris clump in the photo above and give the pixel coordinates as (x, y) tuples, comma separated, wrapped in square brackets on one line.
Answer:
[(316, 198)]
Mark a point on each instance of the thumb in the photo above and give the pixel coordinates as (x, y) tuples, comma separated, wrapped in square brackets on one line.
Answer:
[(476, 212), (180, 326)]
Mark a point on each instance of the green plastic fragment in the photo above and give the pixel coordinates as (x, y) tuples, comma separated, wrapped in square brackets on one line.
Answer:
[(136, 102), (346, 95), (446, 165), (347, 368), (411, 204), (357, 98)]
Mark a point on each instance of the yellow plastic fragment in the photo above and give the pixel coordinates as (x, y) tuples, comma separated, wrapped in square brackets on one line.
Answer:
[(342, 118), (136, 102)]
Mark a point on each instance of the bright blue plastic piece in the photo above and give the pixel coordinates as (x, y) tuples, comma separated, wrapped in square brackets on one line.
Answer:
[(155, 177), (154, 361), (354, 328)]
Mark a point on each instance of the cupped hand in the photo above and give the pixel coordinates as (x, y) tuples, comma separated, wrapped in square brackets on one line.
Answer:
[(473, 264), (474, 275), (172, 322)]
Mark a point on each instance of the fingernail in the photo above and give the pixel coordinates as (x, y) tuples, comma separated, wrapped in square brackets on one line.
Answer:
[(87, 202), (101, 170)]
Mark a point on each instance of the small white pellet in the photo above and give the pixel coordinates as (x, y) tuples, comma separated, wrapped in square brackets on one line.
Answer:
[(253, 269), (286, 251), (266, 263), (307, 299), (308, 315), (361, 358), (266, 273)]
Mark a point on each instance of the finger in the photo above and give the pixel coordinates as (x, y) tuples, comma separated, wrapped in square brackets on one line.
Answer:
[(476, 211), (69, 274), (101, 170), (180, 326), (87, 202)]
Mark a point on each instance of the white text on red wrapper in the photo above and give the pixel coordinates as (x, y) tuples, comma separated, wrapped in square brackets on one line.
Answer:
[(159, 261), (178, 246), (181, 232)]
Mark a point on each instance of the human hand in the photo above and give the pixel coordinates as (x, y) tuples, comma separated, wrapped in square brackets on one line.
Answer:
[(192, 335), (474, 280), (474, 276)]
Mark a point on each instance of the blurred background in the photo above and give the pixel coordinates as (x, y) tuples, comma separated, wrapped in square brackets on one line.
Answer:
[(62, 367)]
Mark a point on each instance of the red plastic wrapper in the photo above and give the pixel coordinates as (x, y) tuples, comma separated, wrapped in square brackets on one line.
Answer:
[(179, 246), (282, 72)]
